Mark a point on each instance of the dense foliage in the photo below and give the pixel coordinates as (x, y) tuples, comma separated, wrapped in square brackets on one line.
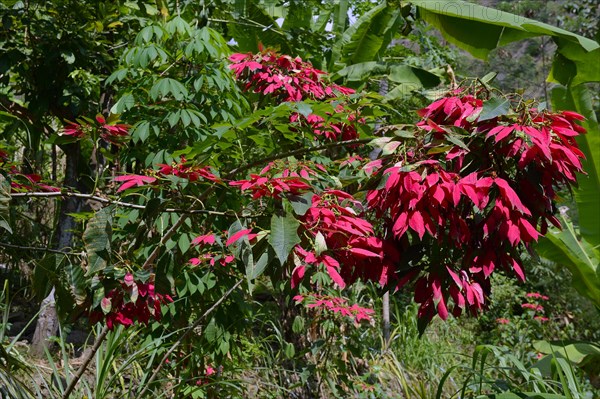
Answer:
[(227, 212)]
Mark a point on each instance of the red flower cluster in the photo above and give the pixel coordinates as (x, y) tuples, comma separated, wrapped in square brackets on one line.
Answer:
[(331, 131), (129, 303), (20, 182), (263, 186), (533, 306), (537, 295), (190, 172), (282, 77), (345, 239), (130, 181), (536, 307), (208, 240), (473, 204), (274, 182), (179, 169), (336, 305), (112, 132)]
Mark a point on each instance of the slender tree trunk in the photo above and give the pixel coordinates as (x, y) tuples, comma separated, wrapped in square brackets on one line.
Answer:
[(47, 323), (386, 319)]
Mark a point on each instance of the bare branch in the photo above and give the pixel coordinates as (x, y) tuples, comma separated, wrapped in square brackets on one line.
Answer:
[(85, 363), (96, 198), (300, 151), (40, 249)]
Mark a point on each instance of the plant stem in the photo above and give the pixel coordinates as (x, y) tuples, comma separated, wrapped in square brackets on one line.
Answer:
[(300, 151), (96, 198), (41, 249), (86, 362)]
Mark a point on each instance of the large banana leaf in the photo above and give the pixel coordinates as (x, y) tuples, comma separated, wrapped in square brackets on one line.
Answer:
[(580, 252), (579, 256), (587, 195), (367, 38), (257, 27), (480, 29)]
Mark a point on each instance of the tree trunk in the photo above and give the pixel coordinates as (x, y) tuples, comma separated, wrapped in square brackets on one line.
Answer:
[(47, 323), (47, 326), (386, 320)]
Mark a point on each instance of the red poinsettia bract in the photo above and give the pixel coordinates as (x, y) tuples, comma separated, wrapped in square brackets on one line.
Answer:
[(473, 207), (284, 78), (129, 303), (350, 250)]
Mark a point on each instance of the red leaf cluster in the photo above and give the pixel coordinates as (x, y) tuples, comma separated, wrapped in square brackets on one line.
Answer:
[(349, 239), (335, 305), (129, 303), (330, 130), (282, 77), (471, 207), (180, 169), (190, 172), (130, 181), (111, 132), (208, 240), (271, 183)]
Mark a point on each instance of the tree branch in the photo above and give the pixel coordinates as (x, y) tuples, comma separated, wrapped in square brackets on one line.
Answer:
[(96, 198), (85, 363), (300, 151), (41, 249)]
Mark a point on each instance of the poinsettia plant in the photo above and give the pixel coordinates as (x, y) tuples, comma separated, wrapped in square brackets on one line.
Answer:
[(345, 196), (436, 206)]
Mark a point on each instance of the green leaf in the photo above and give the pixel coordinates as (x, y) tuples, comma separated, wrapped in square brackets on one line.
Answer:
[(5, 204), (582, 259), (454, 139), (127, 101), (263, 261), (303, 108), (284, 235), (97, 237), (184, 243), (576, 352), (301, 203), (298, 325), (320, 244), (76, 281), (99, 292), (165, 86), (480, 29), (367, 38), (361, 71), (266, 31), (290, 351), (579, 99), (493, 108), (211, 332)]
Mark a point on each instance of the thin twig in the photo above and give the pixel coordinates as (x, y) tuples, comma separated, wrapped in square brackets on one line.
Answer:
[(300, 151), (163, 241), (41, 249), (96, 198), (189, 329), (86, 362)]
